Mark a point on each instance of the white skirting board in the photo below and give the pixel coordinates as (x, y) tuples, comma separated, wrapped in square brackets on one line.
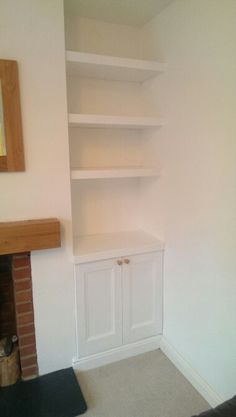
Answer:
[(117, 354), (148, 345), (190, 374)]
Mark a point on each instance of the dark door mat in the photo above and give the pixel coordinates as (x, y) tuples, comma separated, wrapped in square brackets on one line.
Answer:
[(53, 395)]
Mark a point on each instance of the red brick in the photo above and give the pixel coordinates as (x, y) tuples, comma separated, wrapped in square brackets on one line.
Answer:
[(24, 330), (20, 254), (23, 296), (23, 285), (19, 262), (26, 340), (30, 361), (28, 350), (21, 273), (30, 372), (24, 308), (25, 319)]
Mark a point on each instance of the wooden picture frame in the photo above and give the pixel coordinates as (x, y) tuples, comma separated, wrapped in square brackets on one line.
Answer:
[(13, 159)]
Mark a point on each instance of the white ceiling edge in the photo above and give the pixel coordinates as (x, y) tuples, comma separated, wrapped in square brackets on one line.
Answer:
[(123, 12)]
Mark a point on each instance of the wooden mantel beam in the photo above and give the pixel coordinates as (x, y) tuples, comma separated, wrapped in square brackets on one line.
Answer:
[(28, 235)]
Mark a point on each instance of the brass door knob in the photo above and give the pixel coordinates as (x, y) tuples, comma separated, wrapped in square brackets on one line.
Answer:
[(126, 261), (119, 262)]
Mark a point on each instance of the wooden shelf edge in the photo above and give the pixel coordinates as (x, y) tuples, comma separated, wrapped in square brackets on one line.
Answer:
[(29, 235)]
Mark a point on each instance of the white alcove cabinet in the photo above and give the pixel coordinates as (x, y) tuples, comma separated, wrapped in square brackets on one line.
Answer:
[(119, 302), (114, 126)]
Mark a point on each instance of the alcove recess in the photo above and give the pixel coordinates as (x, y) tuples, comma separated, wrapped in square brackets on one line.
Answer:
[(114, 124)]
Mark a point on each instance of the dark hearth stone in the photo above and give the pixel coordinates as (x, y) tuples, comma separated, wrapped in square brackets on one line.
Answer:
[(53, 395)]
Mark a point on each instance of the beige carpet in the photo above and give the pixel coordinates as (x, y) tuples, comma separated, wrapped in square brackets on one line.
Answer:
[(147, 385)]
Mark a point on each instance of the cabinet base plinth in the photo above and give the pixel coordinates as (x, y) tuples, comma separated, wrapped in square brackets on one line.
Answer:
[(117, 354)]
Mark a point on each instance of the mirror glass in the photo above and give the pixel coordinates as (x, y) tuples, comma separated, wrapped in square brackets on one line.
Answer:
[(2, 130)]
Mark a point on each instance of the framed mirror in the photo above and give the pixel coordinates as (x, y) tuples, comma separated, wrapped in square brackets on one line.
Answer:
[(11, 141)]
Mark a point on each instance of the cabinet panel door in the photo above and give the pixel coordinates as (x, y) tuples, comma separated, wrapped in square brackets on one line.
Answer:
[(142, 296), (99, 309)]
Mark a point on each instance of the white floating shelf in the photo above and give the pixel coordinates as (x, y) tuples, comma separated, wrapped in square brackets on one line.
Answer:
[(110, 67), (110, 245), (127, 172), (103, 121)]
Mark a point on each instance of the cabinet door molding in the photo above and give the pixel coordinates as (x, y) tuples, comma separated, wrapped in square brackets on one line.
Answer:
[(142, 296), (99, 306)]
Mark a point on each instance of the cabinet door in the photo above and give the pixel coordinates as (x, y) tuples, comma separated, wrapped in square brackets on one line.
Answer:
[(142, 296), (99, 309)]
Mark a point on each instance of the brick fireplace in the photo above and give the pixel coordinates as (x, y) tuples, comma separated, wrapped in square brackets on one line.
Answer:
[(16, 309), (17, 240)]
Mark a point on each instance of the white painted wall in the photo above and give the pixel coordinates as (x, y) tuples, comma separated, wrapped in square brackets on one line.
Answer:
[(194, 205), (95, 36), (32, 32)]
